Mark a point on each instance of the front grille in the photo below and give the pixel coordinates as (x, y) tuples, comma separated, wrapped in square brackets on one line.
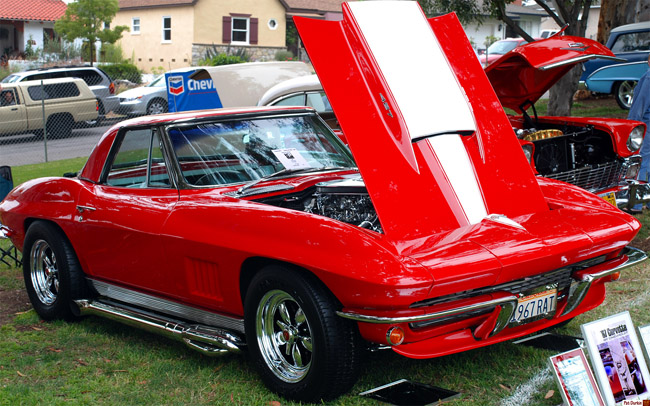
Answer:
[(593, 177)]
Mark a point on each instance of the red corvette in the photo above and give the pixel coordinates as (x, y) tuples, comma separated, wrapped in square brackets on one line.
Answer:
[(257, 229)]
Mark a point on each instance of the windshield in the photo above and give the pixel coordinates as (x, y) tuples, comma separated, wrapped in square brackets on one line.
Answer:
[(11, 79), (502, 47), (158, 82), (238, 151)]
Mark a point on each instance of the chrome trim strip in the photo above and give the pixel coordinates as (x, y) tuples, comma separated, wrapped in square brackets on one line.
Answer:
[(579, 288), (205, 339), (504, 301), (580, 59), (159, 305)]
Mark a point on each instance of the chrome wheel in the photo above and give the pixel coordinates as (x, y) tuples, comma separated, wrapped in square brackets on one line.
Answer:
[(624, 93), (157, 106), (44, 272), (284, 336)]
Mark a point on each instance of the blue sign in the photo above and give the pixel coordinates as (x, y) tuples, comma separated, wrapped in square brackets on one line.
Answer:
[(185, 94)]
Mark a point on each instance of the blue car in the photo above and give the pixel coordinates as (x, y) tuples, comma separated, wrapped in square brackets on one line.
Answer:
[(631, 43), (619, 79)]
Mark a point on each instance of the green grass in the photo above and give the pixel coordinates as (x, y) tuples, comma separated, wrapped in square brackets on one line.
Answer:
[(100, 362)]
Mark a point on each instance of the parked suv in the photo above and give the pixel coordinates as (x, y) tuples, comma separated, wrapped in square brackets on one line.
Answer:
[(99, 82), (65, 101)]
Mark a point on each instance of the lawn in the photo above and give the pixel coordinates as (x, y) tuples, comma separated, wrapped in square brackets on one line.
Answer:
[(100, 362)]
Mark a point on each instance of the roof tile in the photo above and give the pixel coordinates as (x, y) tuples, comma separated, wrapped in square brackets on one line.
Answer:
[(38, 10)]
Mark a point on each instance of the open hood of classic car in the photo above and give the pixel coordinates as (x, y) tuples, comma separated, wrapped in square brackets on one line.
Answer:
[(433, 145), (524, 74)]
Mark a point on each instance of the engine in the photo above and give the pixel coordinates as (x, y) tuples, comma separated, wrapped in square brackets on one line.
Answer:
[(582, 156), (345, 200)]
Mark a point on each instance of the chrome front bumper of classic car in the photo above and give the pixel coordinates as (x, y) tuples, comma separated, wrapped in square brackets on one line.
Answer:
[(503, 304), (632, 193)]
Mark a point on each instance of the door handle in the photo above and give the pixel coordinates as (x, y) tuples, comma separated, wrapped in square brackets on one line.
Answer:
[(82, 209)]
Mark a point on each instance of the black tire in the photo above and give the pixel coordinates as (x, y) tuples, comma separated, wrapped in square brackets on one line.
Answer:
[(156, 106), (284, 308), (53, 276), (59, 126), (623, 92)]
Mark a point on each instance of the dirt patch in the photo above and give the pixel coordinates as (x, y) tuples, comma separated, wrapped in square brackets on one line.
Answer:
[(12, 302)]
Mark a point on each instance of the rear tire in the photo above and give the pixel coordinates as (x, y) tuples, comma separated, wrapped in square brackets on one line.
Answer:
[(623, 92), (53, 276), (302, 349), (59, 126)]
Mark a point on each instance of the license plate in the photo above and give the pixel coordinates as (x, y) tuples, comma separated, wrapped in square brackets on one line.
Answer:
[(609, 198), (535, 306)]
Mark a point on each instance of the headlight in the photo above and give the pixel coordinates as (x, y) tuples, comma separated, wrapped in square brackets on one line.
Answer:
[(635, 139), (130, 99), (528, 151)]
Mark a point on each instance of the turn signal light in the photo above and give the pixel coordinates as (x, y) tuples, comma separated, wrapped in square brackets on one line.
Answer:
[(395, 336), (615, 276)]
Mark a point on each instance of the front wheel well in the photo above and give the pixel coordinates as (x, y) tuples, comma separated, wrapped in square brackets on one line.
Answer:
[(253, 265)]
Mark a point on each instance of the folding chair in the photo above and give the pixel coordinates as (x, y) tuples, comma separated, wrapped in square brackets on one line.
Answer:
[(9, 255)]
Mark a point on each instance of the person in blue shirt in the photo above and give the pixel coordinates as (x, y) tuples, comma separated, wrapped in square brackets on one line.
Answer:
[(640, 111)]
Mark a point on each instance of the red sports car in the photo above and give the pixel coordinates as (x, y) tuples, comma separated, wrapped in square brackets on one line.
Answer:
[(258, 229)]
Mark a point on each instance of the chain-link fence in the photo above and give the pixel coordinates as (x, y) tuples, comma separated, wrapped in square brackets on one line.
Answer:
[(59, 113)]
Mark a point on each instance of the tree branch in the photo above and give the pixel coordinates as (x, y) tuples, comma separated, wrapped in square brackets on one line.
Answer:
[(550, 12), (503, 17)]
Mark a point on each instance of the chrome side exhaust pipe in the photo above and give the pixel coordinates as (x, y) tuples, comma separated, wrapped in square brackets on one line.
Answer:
[(208, 340)]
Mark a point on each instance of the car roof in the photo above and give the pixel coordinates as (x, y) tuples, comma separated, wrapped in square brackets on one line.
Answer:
[(57, 68), (633, 27), (307, 83)]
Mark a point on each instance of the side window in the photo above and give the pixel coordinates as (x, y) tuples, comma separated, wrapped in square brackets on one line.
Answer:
[(8, 97), (91, 77), (139, 162), (319, 101), (53, 91), (293, 100), (634, 41)]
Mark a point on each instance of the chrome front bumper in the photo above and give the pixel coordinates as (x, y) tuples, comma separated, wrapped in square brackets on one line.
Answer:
[(632, 193), (506, 302)]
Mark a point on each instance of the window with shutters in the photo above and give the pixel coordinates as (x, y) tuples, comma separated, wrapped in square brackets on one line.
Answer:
[(240, 29)]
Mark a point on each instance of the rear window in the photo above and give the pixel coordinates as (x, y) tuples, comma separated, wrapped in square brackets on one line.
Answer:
[(53, 91), (631, 42)]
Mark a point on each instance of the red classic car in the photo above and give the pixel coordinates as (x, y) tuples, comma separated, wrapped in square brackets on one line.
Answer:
[(597, 154), (257, 229)]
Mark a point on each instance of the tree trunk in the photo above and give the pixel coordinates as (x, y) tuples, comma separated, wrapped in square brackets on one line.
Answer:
[(561, 94), (620, 12)]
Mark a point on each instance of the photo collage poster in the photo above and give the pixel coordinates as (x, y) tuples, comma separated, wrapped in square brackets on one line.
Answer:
[(617, 358)]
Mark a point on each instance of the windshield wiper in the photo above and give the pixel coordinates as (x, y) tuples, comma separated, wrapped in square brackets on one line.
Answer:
[(286, 171)]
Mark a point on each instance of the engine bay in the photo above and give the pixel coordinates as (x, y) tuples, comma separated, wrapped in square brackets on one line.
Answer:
[(345, 200)]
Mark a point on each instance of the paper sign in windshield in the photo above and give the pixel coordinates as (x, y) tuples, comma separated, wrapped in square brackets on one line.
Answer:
[(291, 158)]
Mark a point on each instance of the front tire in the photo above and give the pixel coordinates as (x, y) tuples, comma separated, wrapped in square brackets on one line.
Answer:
[(156, 106), (623, 91), (53, 276), (301, 348)]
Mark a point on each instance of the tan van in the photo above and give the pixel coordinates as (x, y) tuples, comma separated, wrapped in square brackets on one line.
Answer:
[(66, 101)]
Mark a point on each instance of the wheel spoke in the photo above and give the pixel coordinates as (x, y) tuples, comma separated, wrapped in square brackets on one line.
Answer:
[(297, 357), (284, 313), (300, 317), (306, 342)]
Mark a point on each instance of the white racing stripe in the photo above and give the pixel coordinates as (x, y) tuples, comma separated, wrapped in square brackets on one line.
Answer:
[(426, 91)]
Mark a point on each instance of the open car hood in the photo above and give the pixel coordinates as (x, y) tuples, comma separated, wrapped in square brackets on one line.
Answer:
[(524, 74), (433, 145)]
